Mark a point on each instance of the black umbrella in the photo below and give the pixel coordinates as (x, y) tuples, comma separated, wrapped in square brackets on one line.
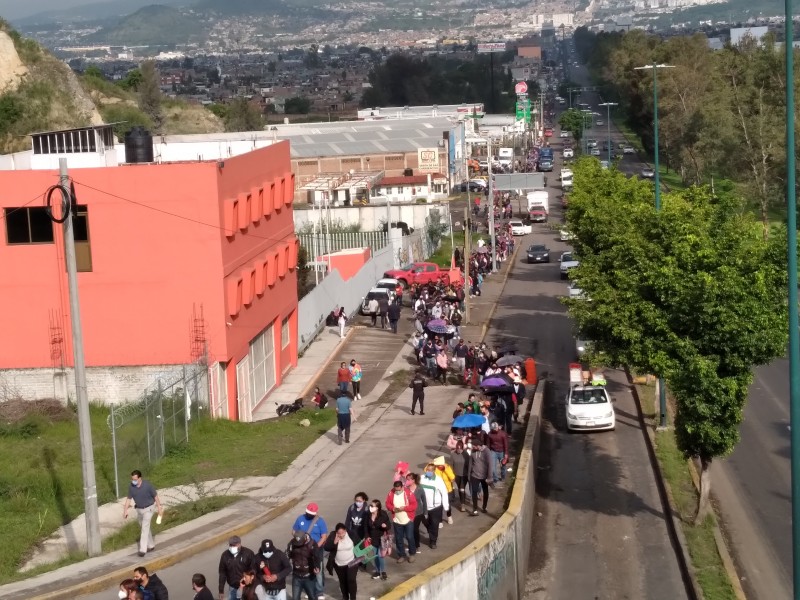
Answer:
[(509, 359)]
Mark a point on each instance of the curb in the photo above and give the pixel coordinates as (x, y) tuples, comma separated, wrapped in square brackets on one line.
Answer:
[(324, 365), (488, 322), (106, 580), (673, 523), (719, 539)]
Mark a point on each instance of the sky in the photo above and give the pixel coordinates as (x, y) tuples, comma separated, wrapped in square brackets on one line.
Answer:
[(14, 9)]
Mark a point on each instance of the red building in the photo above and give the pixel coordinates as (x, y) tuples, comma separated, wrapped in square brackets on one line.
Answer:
[(157, 245)]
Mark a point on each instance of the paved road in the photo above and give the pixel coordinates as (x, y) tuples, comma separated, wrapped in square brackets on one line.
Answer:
[(602, 532)]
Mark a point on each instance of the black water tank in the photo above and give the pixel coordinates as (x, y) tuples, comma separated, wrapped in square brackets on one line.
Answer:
[(138, 145)]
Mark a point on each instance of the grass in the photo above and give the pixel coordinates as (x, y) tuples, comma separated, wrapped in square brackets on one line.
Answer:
[(41, 484), (671, 179), (706, 562), (443, 255)]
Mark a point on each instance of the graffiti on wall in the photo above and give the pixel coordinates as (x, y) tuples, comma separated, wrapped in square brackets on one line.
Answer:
[(496, 565)]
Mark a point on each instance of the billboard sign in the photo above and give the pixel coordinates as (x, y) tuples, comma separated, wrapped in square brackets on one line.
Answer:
[(489, 47), (428, 160), (521, 88)]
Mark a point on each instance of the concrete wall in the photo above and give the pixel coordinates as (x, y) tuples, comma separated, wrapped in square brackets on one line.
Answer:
[(495, 566), (105, 385), (333, 292), (371, 218)]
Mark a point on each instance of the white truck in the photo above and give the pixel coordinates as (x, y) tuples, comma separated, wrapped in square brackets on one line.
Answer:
[(505, 156), (539, 199)]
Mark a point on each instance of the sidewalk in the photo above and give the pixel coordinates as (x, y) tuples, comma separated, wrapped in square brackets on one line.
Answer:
[(326, 472)]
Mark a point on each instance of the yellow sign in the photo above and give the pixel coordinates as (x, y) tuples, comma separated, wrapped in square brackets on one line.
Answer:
[(428, 160)]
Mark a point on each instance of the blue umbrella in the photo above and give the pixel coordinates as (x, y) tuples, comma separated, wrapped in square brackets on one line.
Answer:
[(468, 420), (437, 322), (442, 329)]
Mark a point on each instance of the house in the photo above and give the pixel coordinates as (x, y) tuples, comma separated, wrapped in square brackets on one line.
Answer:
[(411, 188)]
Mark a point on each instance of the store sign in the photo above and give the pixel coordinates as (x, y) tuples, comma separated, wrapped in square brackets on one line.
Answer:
[(428, 160), (488, 47)]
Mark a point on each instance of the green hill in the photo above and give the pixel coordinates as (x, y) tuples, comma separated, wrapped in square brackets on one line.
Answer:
[(151, 26)]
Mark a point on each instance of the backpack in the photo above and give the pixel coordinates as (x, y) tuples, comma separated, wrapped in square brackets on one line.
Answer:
[(300, 557)]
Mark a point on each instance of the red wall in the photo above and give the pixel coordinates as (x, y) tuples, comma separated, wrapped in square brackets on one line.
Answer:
[(152, 263)]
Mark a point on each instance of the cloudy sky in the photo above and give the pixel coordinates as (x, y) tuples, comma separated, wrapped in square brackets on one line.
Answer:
[(14, 9)]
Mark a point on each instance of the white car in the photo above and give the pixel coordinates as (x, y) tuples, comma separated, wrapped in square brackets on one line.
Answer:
[(376, 293), (565, 174), (628, 150), (479, 182), (568, 153), (567, 262), (564, 134), (388, 284), (565, 236), (519, 228), (648, 173), (599, 122), (595, 151), (575, 291), (591, 143), (589, 408)]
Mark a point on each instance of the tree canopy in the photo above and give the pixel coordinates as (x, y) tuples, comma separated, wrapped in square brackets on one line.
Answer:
[(694, 294)]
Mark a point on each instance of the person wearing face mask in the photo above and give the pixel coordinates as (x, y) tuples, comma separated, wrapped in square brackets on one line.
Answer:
[(232, 564), (201, 591), (146, 502), (315, 526), (342, 560), (379, 531), (402, 504), (126, 588), (302, 553), (436, 501), (273, 569), (460, 461), (150, 585), (412, 485), (356, 518)]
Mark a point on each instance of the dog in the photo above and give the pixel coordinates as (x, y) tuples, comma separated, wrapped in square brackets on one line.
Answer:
[(287, 409)]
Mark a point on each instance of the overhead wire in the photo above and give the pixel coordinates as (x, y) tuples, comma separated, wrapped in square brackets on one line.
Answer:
[(5, 213), (176, 215)]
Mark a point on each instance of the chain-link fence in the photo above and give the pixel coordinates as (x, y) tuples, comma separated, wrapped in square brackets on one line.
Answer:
[(143, 432)]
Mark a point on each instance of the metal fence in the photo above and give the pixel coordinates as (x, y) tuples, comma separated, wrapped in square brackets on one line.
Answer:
[(320, 243), (143, 432)]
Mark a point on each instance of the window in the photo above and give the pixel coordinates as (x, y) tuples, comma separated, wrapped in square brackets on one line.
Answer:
[(285, 333), (262, 361), (28, 225), (80, 230)]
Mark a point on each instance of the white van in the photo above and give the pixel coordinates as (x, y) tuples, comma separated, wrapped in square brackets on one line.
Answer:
[(505, 156)]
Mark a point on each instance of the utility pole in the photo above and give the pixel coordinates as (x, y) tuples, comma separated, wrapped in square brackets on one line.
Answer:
[(467, 256), (491, 210), (84, 423)]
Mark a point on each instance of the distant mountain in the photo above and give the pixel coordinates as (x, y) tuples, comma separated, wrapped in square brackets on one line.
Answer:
[(244, 7), (153, 25), (93, 11)]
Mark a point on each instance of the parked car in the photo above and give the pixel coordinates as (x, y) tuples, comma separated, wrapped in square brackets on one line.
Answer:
[(565, 174), (594, 151), (471, 185), (568, 261), (565, 236), (648, 173), (420, 273), (599, 122), (590, 143), (564, 134), (589, 408), (387, 283), (575, 290), (628, 150), (538, 253), (568, 153), (376, 293), (545, 165), (548, 132), (519, 228)]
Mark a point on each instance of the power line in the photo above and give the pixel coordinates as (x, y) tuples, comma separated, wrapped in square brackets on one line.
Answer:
[(172, 214), (8, 212)]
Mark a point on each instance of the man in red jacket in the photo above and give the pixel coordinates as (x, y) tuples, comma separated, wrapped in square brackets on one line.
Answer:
[(402, 505)]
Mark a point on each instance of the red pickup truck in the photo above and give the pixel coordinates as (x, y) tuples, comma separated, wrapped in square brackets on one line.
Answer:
[(420, 273)]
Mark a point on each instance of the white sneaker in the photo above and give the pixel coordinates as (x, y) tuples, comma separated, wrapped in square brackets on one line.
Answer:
[(441, 524), (449, 520)]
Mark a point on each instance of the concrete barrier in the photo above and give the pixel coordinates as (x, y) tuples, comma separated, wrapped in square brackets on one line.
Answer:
[(496, 564)]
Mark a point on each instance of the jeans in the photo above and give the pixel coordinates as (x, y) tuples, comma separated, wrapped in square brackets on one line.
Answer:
[(279, 595), (478, 485), (306, 584), (347, 581), (430, 363), (401, 534), (343, 424), (232, 593), (374, 318), (432, 524), (321, 575), (145, 516), (380, 564), (421, 400), (343, 386), (393, 323), (498, 471), (461, 483)]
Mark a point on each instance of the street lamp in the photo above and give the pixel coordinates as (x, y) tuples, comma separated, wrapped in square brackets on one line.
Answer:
[(587, 112), (794, 336), (608, 106), (662, 390)]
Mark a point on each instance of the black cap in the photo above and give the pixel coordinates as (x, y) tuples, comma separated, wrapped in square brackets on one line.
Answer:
[(267, 545)]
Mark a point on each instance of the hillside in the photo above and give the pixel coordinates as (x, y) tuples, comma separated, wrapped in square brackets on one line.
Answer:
[(152, 25), (38, 92)]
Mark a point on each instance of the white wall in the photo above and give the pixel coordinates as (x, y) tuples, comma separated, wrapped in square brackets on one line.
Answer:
[(372, 217), (333, 292)]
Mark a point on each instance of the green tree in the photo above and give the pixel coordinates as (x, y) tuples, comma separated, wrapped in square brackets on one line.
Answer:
[(693, 294), (150, 94), (125, 117), (94, 71), (574, 121), (298, 105), (242, 116), (132, 80)]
